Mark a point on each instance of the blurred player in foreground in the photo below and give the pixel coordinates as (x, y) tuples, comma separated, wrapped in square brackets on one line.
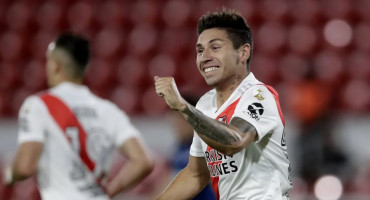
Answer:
[(239, 142), (67, 134)]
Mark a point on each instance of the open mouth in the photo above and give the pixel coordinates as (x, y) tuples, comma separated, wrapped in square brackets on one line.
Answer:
[(209, 69)]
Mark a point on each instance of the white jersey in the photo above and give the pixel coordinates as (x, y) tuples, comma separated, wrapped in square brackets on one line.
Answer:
[(261, 170), (62, 175)]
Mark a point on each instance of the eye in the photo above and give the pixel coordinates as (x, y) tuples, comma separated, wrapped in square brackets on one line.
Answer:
[(216, 47), (200, 51)]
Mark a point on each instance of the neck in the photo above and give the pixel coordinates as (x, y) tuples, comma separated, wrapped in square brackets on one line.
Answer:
[(63, 80), (225, 89)]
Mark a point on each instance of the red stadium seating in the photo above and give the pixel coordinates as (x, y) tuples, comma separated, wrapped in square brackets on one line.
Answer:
[(134, 40)]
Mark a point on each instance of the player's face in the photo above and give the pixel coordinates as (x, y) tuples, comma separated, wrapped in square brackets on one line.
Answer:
[(217, 60)]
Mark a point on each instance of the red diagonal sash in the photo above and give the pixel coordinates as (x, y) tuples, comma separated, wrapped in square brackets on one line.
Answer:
[(65, 118), (225, 117)]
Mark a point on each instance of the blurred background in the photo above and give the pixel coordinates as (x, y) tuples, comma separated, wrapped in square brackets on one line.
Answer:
[(314, 52)]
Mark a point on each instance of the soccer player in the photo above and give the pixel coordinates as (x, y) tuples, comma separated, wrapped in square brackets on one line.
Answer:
[(239, 143), (67, 134)]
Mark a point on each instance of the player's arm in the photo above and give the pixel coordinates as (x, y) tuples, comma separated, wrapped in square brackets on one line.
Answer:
[(226, 138), (25, 162), (138, 166), (189, 181)]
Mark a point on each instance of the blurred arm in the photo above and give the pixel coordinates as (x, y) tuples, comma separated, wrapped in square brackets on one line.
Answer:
[(189, 182), (139, 165), (25, 162)]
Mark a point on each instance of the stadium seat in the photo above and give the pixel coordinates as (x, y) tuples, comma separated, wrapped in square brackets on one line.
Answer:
[(34, 76), (271, 37), (39, 43), (141, 39), (49, 16), (292, 68), (302, 39), (4, 103), (362, 9), (99, 76), (175, 41), (125, 98), (248, 8), (80, 17), (107, 43), (306, 11), (144, 12), (19, 16), (176, 13), (9, 76), (274, 9), (355, 96), (113, 14), (162, 65), (132, 73), (328, 66), (358, 65), (200, 8), (11, 46), (337, 8), (360, 36), (265, 68)]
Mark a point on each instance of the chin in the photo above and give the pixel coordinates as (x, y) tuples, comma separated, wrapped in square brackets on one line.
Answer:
[(211, 82)]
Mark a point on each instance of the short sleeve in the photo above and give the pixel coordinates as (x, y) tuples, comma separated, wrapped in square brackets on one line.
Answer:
[(258, 107), (31, 120), (123, 128), (196, 146)]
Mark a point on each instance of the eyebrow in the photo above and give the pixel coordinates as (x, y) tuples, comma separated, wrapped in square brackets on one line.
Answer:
[(213, 40)]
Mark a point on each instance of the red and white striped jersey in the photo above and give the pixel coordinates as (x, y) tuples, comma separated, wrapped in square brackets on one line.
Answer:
[(261, 170), (71, 162)]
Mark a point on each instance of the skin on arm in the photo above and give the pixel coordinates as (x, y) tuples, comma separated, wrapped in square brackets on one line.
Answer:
[(26, 161), (189, 181), (139, 165), (226, 138)]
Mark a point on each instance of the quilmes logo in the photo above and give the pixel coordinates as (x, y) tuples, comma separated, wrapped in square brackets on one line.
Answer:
[(255, 110)]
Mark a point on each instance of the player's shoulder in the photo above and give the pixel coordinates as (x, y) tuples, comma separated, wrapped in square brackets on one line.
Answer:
[(32, 102), (206, 98), (261, 92), (35, 98), (108, 107)]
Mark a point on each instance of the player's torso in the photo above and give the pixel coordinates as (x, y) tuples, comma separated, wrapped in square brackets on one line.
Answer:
[(61, 170), (240, 176)]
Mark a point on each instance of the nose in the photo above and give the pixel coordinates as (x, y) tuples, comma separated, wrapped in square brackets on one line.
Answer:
[(206, 56)]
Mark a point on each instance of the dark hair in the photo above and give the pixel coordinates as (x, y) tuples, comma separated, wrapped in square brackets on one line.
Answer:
[(235, 25), (77, 47)]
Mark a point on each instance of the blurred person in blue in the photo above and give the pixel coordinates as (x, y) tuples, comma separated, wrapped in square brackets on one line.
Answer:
[(239, 142), (180, 158), (67, 134)]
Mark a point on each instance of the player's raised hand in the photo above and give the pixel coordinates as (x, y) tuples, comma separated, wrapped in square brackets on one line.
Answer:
[(166, 88)]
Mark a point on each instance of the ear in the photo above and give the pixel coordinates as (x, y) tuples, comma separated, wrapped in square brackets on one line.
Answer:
[(245, 51), (57, 66)]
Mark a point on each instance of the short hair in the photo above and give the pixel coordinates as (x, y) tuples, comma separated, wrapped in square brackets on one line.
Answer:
[(235, 25), (78, 49)]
